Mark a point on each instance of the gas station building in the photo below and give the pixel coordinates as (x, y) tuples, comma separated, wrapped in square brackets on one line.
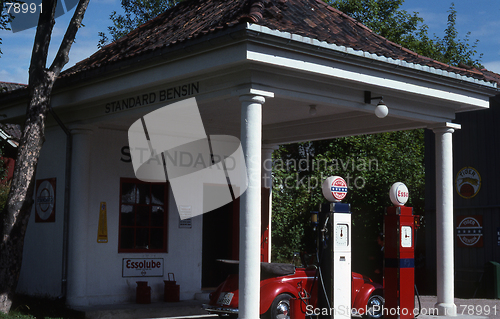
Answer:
[(255, 69)]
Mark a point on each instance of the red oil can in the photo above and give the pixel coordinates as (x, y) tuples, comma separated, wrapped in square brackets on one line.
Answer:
[(143, 293), (171, 290)]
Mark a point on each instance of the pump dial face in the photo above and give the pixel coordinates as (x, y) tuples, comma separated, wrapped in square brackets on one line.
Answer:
[(406, 233), (342, 235)]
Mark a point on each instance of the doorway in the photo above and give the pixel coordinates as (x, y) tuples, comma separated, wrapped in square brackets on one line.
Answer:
[(220, 241)]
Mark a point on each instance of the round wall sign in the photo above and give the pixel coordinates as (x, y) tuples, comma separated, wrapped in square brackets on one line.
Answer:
[(468, 182), (44, 202), (470, 231), (399, 194), (334, 188)]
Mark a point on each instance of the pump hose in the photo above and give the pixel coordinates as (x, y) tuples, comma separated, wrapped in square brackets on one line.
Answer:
[(319, 275), (324, 289), (419, 304), (318, 270)]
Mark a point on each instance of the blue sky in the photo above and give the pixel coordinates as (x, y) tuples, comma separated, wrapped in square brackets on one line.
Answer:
[(480, 17)]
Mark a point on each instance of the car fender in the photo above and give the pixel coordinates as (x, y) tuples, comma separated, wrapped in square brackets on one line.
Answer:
[(271, 290), (364, 294)]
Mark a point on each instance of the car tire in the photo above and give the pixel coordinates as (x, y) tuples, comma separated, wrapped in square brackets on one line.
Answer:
[(374, 307), (280, 308)]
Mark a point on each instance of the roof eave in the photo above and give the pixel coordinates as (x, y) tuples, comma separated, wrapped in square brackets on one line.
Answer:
[(169, 53), (370, 57)]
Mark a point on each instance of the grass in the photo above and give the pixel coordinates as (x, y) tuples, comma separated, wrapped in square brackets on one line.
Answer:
[(27, 307)]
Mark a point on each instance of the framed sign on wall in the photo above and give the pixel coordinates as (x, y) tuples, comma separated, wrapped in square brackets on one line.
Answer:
[(470, 231), (45, 201)]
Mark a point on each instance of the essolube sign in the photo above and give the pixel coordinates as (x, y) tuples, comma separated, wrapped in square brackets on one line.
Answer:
[(142, 267)]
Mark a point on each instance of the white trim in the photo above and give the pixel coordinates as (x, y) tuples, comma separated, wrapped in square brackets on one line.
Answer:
[(7, 138), (446, 125), (251, 91), (368, 55), (367, 79)]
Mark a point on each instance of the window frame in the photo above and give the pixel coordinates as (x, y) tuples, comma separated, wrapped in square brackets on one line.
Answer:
[(125, 180)]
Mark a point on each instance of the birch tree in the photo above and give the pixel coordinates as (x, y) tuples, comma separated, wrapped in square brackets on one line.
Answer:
[(15, 216)]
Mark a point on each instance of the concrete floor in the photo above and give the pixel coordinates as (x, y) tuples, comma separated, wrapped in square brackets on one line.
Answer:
[(138, 311), (466, 309)]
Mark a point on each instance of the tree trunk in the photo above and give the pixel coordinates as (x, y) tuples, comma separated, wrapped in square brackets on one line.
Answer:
[(20, 200), (14, 218)]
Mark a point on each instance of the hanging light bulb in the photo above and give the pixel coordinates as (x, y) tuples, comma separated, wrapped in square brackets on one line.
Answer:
[(381, 110), (312, 109)]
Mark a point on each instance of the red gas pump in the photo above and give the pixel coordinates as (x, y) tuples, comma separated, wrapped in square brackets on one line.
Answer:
[(399, 267)]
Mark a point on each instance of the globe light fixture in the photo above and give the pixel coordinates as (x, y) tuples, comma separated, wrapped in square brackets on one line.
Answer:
[(381, 110), (312, 109)]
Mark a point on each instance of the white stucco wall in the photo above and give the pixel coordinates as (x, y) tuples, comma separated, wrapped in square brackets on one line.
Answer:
[(42, 256), (104, 284)]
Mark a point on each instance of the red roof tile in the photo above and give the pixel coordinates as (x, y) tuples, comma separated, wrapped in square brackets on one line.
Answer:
[(7, 87), (310, 18)]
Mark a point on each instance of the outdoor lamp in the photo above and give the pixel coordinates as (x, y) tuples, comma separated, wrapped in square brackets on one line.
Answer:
[(312, 109), (381, 109)]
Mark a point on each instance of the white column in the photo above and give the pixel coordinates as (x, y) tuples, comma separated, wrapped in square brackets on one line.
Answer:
[(267, 181), (444, 219), (78, 217), (250, 205)]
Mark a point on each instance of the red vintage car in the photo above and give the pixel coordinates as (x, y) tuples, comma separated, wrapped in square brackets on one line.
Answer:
[(281, 282)]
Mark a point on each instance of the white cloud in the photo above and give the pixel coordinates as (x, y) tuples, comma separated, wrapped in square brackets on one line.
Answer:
[(80, 51), (14, 75), (493, 66)]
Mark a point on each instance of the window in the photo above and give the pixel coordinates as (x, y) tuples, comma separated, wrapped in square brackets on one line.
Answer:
[(143, 216)]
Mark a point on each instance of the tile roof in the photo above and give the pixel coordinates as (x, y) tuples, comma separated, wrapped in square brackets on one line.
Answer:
[(491, 76), (7, 87), (310, 18)]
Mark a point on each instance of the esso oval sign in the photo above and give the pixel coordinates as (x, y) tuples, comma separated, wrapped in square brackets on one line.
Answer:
[(399, 194), (334, 188)]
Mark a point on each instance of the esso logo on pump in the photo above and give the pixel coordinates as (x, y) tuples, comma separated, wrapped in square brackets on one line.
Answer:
[(334, 188), (399, 194)]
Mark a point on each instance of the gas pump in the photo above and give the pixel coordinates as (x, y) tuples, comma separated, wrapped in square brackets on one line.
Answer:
[(335, 253), (399, 274)]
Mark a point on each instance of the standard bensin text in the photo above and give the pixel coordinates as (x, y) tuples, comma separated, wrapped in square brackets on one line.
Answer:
[(167, 94)]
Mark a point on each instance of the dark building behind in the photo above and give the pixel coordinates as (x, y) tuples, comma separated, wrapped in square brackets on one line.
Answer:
[(476, 149)]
